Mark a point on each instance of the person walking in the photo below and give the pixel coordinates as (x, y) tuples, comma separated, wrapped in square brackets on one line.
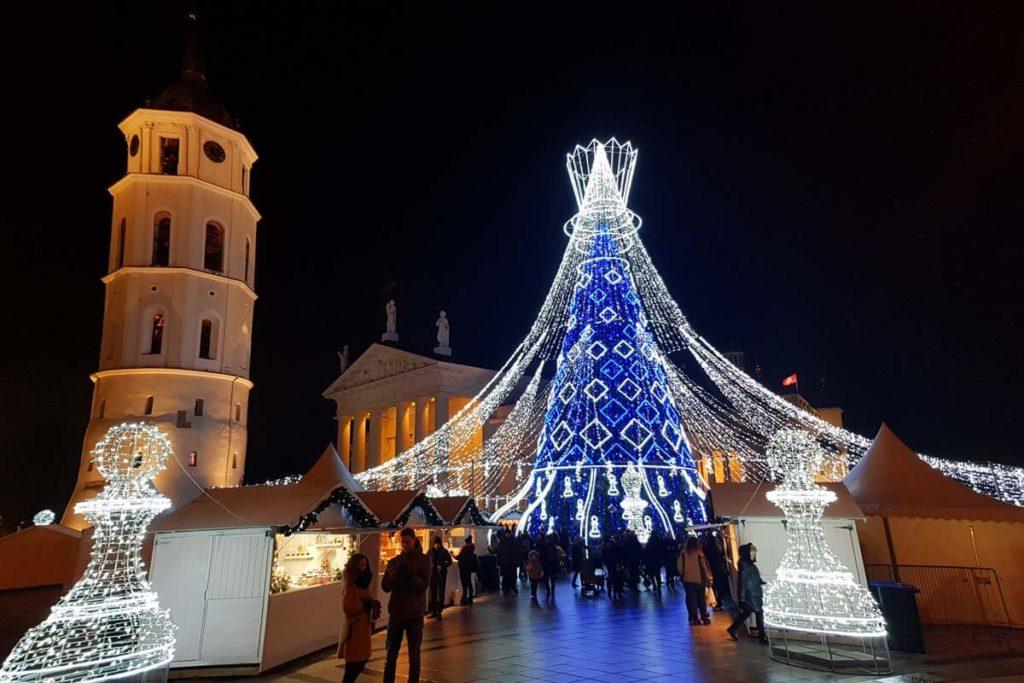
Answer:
[(577, 552), (508, 559), (406, 577), (534, 570), (611, 557), (525, 546), (550, 560), (652, 561), (669, 551), (440, 560), (693, 569), (749, 588), (360, 611), (715, 553), (467, 565), (632, 557)]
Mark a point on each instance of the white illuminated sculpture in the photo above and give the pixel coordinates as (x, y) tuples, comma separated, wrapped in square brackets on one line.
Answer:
[(813, 591), (44, 517), (109, 624)]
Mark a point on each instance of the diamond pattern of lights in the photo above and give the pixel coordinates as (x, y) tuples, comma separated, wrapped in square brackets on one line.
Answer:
[(596, 390)]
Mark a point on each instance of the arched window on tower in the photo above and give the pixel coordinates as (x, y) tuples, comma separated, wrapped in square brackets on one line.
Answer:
[(121, 233), (248, 254), (207, 340), (156, 337), (162, 239), (213, 256)]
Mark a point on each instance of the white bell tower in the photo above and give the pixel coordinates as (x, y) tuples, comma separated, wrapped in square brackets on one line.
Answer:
[(177, 322)]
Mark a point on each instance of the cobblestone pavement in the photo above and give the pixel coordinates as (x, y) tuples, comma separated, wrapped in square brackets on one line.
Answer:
[(643, 637)]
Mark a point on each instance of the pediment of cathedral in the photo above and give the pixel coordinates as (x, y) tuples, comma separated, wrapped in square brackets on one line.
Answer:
[(378, 363)]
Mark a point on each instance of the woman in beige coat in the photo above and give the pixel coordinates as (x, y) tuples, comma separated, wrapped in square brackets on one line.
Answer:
[(360, 609)]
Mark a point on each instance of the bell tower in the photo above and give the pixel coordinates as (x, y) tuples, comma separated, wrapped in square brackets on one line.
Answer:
[(177, 321)]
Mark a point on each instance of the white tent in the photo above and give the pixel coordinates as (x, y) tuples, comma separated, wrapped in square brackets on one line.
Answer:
[(919, 520)]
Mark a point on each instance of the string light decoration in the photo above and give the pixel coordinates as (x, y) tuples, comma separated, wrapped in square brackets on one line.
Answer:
[(109, 625), (813, 591), (726, 427), (44, 517)]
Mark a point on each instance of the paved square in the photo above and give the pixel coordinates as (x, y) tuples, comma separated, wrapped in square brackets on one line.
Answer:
[(643, 637)]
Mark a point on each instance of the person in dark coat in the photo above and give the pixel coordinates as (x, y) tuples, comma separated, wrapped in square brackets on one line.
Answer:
[(749, 587), (612, 559), (652, 561), (632, 557), (719, 569), (440, 560), (405, 577), (508, 561), (669, 551), (577, 551), (549, 558), (525, 546), (467, 565)]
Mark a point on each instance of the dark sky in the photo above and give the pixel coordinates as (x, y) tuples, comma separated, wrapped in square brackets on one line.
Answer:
[(835, 192)]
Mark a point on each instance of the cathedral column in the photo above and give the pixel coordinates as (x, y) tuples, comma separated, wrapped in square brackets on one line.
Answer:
[(359, 443), (373, 448), (440, 410), (345, 439), (422, 411), (402, 414)]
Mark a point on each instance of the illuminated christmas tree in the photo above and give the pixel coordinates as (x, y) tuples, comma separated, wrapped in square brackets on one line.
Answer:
[(612, 454), (109, 624)]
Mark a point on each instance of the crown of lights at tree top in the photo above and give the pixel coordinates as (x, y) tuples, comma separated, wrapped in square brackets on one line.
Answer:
[(610, 418), (109, 625), (728, 419), (813, 591)]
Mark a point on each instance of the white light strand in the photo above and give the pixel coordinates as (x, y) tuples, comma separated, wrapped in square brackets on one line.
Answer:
[(109, 625)]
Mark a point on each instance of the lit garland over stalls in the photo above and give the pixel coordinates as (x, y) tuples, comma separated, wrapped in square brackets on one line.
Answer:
[(344, 498), (734, 423), (109, 625), (813, 591), (422, 502)]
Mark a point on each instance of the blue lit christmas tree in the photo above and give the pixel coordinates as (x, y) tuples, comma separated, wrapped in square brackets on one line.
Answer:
[(613, 454)]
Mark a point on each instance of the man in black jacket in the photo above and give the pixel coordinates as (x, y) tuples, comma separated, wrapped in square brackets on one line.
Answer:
[(406, 577)]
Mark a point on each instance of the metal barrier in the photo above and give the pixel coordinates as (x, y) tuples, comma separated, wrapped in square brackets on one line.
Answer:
[(950, 595)]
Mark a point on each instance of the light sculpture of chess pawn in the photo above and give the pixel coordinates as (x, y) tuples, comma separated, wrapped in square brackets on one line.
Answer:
[(109, 625), (813, 591)]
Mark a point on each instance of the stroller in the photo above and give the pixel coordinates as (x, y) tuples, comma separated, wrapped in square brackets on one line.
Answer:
[(590, 579)]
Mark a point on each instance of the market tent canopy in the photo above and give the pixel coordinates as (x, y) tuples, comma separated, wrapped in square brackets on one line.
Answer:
[(892, 481), (274, 505), (747, 499), (393, 508), (459, 510)]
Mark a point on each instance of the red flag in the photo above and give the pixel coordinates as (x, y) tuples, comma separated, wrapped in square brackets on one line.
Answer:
[(789, 381)]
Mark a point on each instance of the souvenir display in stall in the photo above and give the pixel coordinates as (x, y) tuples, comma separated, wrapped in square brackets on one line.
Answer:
[(304, 560)]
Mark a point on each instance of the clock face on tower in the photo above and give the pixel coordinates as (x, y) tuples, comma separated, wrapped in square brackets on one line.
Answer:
[(214, 152)]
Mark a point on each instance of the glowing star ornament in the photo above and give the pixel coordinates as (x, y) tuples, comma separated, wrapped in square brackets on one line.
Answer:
[(109, 625), (813, 591), (44, 517)]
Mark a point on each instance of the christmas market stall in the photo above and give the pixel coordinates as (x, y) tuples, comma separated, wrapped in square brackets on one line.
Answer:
[(251, 577), (962, 550), (463, 518)]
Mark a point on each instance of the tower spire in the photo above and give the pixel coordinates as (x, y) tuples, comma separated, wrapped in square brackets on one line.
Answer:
[(192, 66)]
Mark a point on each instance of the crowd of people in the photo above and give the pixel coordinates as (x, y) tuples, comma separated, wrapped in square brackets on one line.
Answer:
[(619, 564)]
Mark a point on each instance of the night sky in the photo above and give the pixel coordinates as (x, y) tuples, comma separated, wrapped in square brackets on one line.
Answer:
[(835, 193)]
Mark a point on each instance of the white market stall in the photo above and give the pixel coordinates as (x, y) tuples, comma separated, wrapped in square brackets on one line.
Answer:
[(213, 559), (754, 519)]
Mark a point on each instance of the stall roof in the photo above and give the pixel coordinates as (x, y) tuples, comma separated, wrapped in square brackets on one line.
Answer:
[(388, 506), (891, 480), (456, 509), (748, 499), (261, 505)]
